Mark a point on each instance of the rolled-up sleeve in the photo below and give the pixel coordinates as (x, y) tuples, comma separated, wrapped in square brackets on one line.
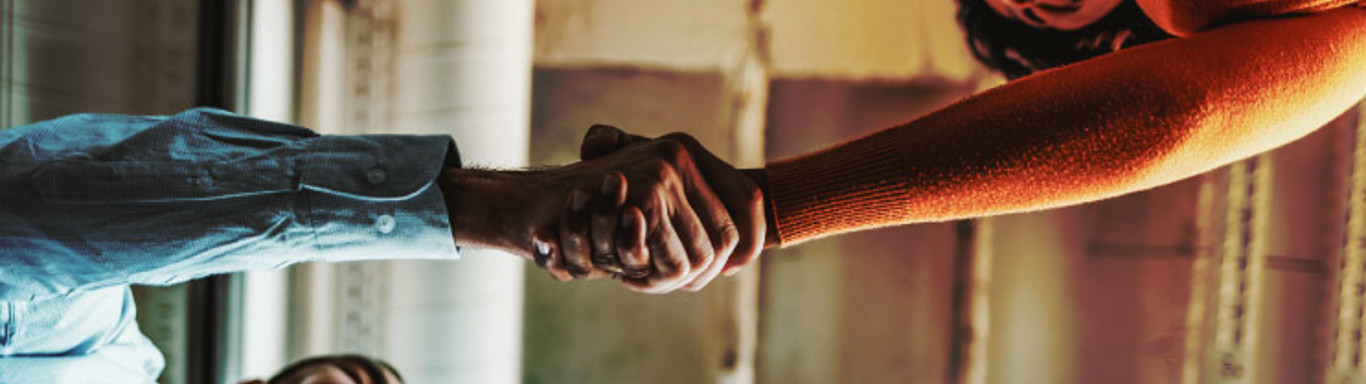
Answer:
[(90, 201)]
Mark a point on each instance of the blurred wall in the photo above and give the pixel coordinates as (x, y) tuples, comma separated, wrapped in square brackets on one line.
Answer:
[(120, 56), (869, 307), (884, 40)]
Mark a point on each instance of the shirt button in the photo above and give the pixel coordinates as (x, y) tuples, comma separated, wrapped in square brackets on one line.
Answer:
[(376, 176), (385, 224)]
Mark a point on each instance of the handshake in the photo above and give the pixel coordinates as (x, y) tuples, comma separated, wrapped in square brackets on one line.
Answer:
[(658, 214)]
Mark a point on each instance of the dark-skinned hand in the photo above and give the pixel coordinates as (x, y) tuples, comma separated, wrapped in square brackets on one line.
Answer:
[(727, 202)]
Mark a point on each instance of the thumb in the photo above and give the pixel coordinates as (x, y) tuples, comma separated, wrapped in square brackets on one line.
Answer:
[(604, 139)]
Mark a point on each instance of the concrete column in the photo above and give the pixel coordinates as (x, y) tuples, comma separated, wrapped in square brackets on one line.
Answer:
[(455, 67), (460, 67), (265, 306), (1346, 302)]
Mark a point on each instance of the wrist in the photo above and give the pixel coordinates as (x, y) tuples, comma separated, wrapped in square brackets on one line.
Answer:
[(490, 209), (760, 178)]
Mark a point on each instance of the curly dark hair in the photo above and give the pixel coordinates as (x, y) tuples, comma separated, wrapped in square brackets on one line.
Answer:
[(373, 367), (1017, 49)]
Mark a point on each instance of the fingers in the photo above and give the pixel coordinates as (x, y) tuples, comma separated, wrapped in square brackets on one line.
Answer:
[(667, 253), (603, 139), (715, 221), (742, 197), (607, 210), (546, 252), (574, 238), (631, 249), (747, 209), (692, 235), (565, 252), (670, 258)]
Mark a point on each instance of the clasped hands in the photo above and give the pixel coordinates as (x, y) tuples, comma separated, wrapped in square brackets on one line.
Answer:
[(663, 214), (658, 214)]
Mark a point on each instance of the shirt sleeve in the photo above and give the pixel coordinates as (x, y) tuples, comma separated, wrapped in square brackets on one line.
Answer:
[(90, 201), (67, 339)]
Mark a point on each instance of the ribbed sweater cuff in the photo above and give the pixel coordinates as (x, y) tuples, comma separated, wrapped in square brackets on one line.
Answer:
[(853, 186)]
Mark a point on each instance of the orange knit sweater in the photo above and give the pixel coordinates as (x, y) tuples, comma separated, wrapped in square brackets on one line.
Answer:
[(1236, 84)]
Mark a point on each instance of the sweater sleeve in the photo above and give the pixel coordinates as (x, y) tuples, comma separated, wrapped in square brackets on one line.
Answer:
[(1116, 124), (1185, 17)]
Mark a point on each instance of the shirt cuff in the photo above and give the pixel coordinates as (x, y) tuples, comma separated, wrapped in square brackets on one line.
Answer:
[(375, 197)]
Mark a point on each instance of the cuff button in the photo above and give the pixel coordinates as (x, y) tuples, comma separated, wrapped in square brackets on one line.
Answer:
[(385, 224), (376, 176)]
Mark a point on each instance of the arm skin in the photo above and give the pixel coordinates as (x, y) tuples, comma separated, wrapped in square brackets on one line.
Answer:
[(1116, 124), (482, 204)]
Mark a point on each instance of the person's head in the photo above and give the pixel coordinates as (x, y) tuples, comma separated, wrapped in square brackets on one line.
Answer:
[(336, 369), (1019, 37)]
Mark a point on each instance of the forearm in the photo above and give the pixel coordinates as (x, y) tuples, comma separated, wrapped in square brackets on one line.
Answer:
[(1112, 125), (488, 208)]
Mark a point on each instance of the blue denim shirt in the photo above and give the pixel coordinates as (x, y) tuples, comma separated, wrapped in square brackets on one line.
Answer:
[(92, 203)]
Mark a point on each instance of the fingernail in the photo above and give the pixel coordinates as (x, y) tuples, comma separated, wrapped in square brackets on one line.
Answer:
[(578, 201), (730, 271), (541, 247)]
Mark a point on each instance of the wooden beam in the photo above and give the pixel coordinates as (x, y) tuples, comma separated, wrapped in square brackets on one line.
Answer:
[(971, 303), (1227, 281), (1344, 360)]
